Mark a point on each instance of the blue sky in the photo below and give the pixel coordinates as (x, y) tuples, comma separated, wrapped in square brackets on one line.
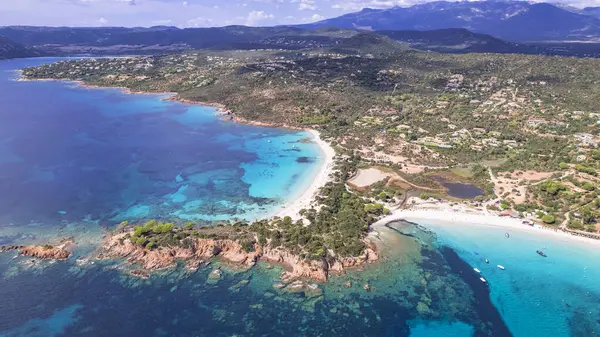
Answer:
[(189, 13)]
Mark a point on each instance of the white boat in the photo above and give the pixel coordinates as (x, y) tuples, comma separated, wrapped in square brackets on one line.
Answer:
[(501, 267), (483, 280), (477, 270)]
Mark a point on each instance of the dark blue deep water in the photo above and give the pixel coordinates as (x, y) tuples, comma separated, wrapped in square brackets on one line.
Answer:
[(74, 161)]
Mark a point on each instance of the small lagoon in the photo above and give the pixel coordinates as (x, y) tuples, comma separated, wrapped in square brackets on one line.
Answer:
[(460, 190)]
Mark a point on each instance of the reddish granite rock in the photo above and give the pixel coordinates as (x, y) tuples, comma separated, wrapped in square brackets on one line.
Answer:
[(46, 252), (201, 250)]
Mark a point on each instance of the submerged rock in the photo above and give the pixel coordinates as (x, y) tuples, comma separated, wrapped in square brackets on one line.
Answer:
[(239, 285), (216, 274), (139, 273)]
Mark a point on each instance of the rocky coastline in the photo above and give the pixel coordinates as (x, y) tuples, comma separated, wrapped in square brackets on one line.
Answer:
[(119, 246), (44, 252)]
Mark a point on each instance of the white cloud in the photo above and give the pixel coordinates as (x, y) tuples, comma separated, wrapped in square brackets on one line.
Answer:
[(357, 5), (102, 21), (255, 17), (317, 17), (199, 22), (307, 5)]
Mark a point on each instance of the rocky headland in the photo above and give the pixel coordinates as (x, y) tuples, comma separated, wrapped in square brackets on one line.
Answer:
[(200, 250)]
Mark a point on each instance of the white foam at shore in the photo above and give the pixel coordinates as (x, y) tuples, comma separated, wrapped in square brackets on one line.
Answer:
[(460, 215), (293, 207)]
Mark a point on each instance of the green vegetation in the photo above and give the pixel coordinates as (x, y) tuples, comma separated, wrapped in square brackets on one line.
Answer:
[(338, 228), (552, 188), (585, 169), (155, 234), (548, 219)]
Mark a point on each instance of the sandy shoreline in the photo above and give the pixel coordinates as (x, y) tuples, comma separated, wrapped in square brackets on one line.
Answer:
[(293, 207), (464, 216)]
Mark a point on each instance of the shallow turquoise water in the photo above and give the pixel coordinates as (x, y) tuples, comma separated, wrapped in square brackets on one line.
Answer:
[(554, 296), (446, 329)]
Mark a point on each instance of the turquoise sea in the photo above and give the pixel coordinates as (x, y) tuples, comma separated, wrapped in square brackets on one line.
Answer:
[(75, 162), (554, 296)]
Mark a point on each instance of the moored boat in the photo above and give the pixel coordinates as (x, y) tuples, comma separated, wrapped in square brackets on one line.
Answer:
[(483, 280), (477, 270), (542, 253), (501, 267)]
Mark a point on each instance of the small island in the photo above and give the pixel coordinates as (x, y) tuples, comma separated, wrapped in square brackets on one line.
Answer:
[(44, 252)]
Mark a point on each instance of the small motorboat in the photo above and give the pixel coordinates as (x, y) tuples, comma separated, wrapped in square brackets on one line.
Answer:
[(487, 261), (542, 253), (507, 235), (483, 280), (477, 270), (500, 267)]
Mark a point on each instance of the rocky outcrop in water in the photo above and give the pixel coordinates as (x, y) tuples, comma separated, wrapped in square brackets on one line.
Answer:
[(201, 250), (46, 252)]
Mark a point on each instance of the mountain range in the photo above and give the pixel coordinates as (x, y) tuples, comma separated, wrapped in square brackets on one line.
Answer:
[(449, 27), (508, 20), (67, 41)]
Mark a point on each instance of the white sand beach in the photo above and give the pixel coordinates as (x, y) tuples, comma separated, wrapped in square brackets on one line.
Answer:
[(293, 207), (463, 216)]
